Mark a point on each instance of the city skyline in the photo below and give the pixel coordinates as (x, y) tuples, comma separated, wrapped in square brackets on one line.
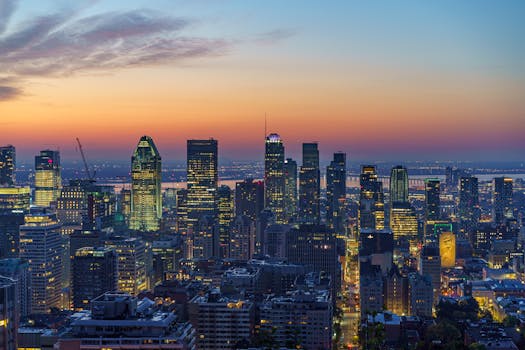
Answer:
[(428, 81)]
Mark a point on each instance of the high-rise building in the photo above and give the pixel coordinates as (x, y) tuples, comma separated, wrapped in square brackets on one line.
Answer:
[(396, 292), (94, 272), (447, 249), (48, 178), (432, 201), (336, 193), (420, 295), (131, 266), (41, 246), (8, 314), (274, 181), (146, 177), (371, 200), (242, 238), (203, 178), (290, 188), (224, 218), (10, 222), (7, 165), (15, 198), (18, 270), (403, 221), (205, 242), (430, 264), (398, 185), (309, 185), (502, 200), (249, 198), (469, 210)]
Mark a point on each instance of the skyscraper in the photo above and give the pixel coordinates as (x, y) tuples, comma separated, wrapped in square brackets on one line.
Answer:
[(202, 168), (290, 188), (41, 245), (309, 185), (336, 192), (398, 185), (502, 200), (469, 210), (94, 272), (224, 218), (249, 198), (7, 165), (48, 178), (371, 200), (242, 238), (430, 265), (274, 182), (432, 202), (146, 177), (8, 314), (131, 264)]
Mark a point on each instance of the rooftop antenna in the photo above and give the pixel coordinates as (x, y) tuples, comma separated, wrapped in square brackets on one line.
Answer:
[(265, 124)]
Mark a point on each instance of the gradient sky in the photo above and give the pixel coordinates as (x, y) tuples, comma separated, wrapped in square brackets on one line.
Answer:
[(380, 80)]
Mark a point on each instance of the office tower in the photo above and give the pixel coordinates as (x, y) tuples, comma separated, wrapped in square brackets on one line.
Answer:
[(274, 240), (224, 218), (72, 206), (377, 248), (502, 200), (315, 246), (396, 292), (18, 271), (131, 267), (398, 185), (7, 165), (432, 203), (447, 249), (309, 186), (371, 200), (301, 318), (119, 321), (41, 246), (274, 176), (221, 322), (124, 205), (430, 264), (403, 221), (10, 222), (146, 177), (48, 178), (371, 288), (205, 243), (290, 189), (94, 272), (165, 255), (202, 167), (249, 198), (420, 295), (469, 210), (8, 314), (15, 198), (242, 238), (336, 193)]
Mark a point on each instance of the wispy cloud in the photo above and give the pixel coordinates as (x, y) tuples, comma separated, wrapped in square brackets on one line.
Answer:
[(274, 36), (66, 43)]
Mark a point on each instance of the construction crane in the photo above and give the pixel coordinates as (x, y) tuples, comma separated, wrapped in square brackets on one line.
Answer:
[(91, 178)]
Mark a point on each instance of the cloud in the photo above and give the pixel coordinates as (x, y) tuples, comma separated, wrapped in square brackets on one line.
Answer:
[(7, 7), (66, 43), (274, 36)]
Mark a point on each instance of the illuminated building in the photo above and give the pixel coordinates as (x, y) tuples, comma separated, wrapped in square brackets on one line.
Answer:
[(166, 254), (420, 295), (8, 314), (290, 188), (202, 177), (249, 198), (398, 185), (41, 246), (15, 198), (336, 193), (224, 218), (447, 249), (432, 202), (205, 243), (7, 165), (274, 181), (48, 178), (18, 270), (309, 186), (502, 200), (94, 272), (469, 210), (274, 240), (434, 228), (146, 177), (182, 211), (10, 222), (242, 238), (72, 207), (371, 200), (131, 267), (403, 221), (221, 322), (396, 292), (124, 204), (430, 264)]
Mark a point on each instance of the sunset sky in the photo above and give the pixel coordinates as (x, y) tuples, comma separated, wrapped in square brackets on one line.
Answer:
[(380, 80)]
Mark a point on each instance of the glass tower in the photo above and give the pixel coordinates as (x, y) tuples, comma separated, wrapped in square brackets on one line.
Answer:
[(48, 179), (502, 201), (7, 165), (290, 188), (309, 185), (274, 176), (399, 185), (336, 192), (146, 200)]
